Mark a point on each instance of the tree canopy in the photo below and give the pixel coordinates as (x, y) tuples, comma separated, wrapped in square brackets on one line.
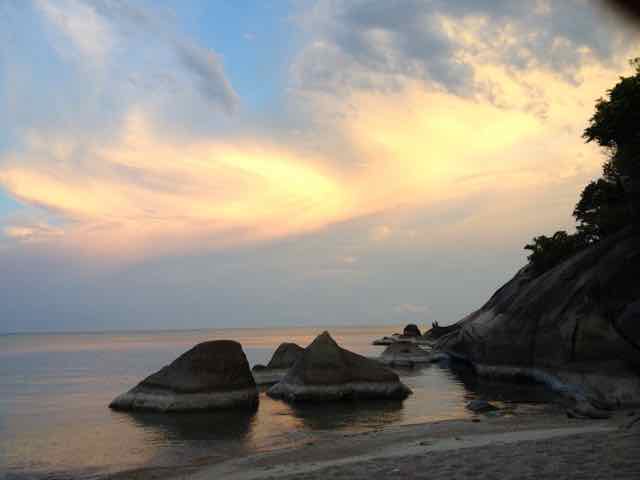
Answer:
[(615, 125), (610, 203)]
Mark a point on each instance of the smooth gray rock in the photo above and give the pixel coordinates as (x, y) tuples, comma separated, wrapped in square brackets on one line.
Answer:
[(285, 355), (325, 371), (580, 317), (212, 375), (405, 354), (282, 359), (628, 324)]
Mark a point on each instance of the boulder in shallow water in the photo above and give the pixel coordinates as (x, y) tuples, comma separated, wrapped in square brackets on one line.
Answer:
[(325, 371), (283, 358), (285, 355), (384, 341), (405, 354), (212, 375)]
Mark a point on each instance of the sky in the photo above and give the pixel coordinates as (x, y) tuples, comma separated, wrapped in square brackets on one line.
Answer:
[(176, 164)]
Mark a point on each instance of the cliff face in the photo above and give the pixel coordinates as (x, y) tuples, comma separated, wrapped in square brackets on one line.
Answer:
[(584, 313)]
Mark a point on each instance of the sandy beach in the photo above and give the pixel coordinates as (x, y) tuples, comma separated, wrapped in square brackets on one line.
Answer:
[(541, 445)]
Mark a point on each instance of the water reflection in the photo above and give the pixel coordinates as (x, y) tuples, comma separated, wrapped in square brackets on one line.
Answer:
[(221, 426), (351, 415), (54, 392), (509, 392)]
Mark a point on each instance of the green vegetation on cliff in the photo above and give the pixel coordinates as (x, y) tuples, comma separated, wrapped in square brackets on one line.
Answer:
[(612, 202)]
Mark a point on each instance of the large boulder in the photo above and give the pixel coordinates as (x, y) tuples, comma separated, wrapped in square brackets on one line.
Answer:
[(405, 354), (411, 330), (325, 371), (283, 358), (580, 316), (212, 375)]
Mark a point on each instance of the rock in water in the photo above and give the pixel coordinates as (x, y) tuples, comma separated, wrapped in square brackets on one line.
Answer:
[(283, 358), (212, 375), (325, 371), (411, 330), (384, 341), (405, 354)]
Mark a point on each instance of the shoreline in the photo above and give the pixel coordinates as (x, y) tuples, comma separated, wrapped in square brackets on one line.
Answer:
[(413, 451)]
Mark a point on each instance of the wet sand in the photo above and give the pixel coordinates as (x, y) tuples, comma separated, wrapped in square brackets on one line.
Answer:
[(542, 445)]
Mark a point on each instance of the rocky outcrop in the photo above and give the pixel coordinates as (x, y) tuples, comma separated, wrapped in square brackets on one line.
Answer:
[(405, 354), (283, 358), (575, 327), (436, 331), (325, 371), (212, 375)]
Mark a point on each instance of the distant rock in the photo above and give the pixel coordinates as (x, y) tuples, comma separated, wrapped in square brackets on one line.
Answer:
[(411, 330), (574, 327), (385, 341), (325, 371), (283, 358), (212, 375), (405, 354), (481, 406)]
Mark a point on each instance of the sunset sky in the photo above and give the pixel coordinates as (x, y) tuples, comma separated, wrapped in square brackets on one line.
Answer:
[(185, 164)]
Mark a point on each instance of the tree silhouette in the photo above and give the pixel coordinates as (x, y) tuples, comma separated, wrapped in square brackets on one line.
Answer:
[(612, 202)]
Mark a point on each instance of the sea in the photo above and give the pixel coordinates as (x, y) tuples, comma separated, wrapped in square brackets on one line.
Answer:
[(55, 389)]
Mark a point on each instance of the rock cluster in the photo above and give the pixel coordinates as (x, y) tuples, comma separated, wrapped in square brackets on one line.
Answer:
[(405, 354), (325, 371)]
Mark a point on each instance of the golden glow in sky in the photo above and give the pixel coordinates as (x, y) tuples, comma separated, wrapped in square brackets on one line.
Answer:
[(506, 134)]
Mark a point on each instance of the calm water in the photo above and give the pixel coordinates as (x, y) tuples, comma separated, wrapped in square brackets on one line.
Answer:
[(54, 392)]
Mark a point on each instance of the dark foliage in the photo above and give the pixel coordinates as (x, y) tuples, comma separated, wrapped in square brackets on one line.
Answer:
[(616, 126), (601, 211), (612, 202), (547, 252)]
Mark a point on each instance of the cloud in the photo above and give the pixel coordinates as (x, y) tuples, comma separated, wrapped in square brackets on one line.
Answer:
[(139, 188), (80, 23), (141, 193), (410, 308), (378, 45), (32, 233), (143, 190), (207, 68), (97, 27)]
